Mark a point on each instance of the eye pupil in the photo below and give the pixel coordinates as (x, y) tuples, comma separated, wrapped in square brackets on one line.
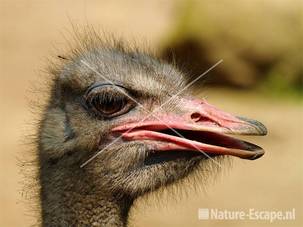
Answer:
[(108, 106), (107, 101)]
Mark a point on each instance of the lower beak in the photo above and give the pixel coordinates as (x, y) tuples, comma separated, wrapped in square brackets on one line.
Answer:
[(202, 128)]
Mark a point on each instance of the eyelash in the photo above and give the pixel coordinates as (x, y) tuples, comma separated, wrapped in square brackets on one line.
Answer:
[(107, 96)]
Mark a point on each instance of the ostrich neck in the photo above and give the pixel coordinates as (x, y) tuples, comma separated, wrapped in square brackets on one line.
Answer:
[(69, 200)]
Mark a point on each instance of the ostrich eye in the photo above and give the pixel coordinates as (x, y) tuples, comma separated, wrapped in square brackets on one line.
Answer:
[(108, 100)]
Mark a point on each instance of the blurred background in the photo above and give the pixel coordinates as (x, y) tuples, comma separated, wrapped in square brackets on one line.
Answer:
[(261, 77)]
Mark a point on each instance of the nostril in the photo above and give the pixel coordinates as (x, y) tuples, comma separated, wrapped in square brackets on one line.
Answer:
[(195, 116)]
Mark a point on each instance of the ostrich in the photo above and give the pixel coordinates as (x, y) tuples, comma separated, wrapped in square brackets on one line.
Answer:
[(118, 125)]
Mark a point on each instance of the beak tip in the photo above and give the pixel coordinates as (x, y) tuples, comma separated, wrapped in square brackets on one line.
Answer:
[(258, 126), (258, 154)]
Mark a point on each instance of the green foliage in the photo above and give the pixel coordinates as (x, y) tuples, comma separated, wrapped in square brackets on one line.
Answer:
[(260, 42), (277, 86)]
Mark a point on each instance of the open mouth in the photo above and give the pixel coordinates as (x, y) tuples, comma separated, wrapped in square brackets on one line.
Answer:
[(208, 142), (206, 130)]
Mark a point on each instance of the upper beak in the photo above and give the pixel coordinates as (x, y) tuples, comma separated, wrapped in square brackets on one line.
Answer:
[(201, 127)]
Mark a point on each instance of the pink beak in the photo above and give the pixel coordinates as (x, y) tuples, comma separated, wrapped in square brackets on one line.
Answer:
[(201, 128)]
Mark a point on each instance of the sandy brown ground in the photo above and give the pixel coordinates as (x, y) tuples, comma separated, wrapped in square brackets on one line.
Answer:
[(30, 29)]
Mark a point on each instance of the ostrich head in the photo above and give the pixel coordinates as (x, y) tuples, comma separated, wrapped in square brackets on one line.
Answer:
[(119, 123)]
